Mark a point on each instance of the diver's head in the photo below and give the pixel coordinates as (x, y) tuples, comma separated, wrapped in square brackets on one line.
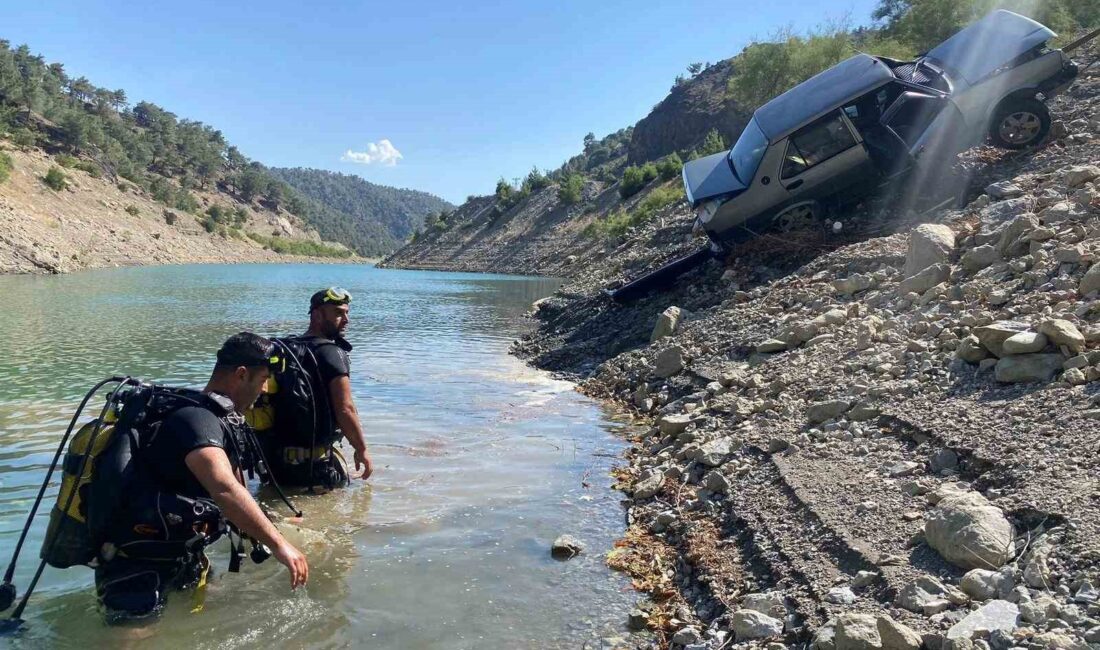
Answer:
[(328, 312), (245, 361)]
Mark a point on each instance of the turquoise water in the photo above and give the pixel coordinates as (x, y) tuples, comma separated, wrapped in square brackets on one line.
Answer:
[(480, 460)]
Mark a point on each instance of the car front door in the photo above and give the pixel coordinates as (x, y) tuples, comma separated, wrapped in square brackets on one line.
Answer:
[(822, 158)]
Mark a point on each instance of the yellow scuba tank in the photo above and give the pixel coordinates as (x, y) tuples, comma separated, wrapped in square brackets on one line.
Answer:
[(68, 541), (261, 417)]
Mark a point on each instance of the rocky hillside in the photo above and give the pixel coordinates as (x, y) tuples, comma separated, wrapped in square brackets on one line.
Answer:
[(879, 439), (93, 222)]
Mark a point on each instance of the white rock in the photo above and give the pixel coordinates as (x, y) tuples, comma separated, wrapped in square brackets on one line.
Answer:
[(1025, 343), (1080, 174), (925, 279), (857, 632), (896, 636), (1063, 332), (1027, 368), (666, 324), (978, 258), (648, 484), (993, 336)]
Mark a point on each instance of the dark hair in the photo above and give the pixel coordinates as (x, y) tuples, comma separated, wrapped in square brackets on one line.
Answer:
[(244, 349)]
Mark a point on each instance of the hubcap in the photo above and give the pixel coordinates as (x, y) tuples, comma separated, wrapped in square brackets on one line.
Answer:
[(1020, 127), (797, 218)]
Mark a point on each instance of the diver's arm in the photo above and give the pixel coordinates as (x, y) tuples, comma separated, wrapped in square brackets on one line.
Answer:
[(211, 467), (347, 418)]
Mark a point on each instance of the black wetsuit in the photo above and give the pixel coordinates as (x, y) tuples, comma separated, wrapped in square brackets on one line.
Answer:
[(134, 584), (327, 360)]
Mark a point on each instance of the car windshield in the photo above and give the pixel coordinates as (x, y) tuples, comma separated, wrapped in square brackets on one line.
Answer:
[(746, 154)]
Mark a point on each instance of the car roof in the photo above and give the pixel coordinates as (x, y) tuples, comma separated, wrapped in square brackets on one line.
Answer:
[(820, 94)]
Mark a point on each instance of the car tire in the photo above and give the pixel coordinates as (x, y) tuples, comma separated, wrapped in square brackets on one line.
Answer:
[(797, 217), (1019, 123)]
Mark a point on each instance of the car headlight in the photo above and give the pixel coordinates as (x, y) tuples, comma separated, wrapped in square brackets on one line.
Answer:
[(706, 210)]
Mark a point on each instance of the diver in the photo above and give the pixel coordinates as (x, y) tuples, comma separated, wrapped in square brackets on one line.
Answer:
[(192, 465), (308, 407)]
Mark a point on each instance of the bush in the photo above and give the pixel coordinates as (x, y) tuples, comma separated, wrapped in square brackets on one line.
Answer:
[(617, 224), (66, 161), (303, 247), (534, 182), (23, 138), (89, 168), (5, 166), (209, 224), (571, 189), (133, 210), (185, 201), (635, 178), (669, 167), (55, 179), (713, 143)]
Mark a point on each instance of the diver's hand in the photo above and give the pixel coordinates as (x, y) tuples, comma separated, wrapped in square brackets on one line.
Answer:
[(362, 460), (295, 562)]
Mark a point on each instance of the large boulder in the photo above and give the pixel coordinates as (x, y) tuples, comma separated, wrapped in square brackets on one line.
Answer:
[(667, 322), (978, 258), (993, 336), (970, 532), (929, 244), (1027, 368), (924, 279)]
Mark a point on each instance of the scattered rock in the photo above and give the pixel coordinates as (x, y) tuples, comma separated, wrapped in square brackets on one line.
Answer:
[(994, 615), (978, 258), (1025, 343), (982, 584), (669, 362), (648, 485), (823, 411), (750, 624), (857, 632), (925, 279), (1063, 332), (895, 636), (566, 547), (992, 337), (1079, 175), (673, 425)]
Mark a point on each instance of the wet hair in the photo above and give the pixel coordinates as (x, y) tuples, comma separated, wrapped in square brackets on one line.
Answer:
[(244, 349)]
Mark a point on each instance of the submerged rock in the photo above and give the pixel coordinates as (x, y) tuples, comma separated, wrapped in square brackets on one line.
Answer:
[(566, 547)]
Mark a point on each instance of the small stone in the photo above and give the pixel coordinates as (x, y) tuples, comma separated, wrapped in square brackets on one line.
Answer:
[(566, 547), (716, 482), (648, 485), (904, 468), (982, 584), (1004, 190), (776, 445), (841, 596), (771, 345), (687, 636), (864, 579), (943, 459), (672, 425)]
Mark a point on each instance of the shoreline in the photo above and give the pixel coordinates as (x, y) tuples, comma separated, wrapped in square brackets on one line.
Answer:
[(288, 259)]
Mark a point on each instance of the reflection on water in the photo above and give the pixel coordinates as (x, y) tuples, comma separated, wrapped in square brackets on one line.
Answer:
[(480, 460)]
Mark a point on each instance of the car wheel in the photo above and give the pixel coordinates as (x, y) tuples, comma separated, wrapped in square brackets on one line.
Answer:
[(1020, 123), (797, 217)]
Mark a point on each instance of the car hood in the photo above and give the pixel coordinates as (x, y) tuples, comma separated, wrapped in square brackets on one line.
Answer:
[(988, 44), (710, 178)]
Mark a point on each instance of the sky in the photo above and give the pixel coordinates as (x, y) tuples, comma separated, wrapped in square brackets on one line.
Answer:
[(445, 97)]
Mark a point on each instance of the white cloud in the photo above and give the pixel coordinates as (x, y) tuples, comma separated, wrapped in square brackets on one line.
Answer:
[(378, 153)]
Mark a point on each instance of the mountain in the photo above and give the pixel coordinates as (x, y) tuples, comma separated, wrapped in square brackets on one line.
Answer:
[(371, 219)]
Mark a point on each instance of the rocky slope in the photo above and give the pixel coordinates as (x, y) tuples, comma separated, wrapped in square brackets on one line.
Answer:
[(87, 225), (882, 439)]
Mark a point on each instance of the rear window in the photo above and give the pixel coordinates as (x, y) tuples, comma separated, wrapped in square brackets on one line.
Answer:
[(747, 153)]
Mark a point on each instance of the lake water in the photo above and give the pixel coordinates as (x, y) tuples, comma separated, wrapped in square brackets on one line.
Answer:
[(480, 461)]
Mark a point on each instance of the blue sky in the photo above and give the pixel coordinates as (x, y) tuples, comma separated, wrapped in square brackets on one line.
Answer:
[(467, 92)]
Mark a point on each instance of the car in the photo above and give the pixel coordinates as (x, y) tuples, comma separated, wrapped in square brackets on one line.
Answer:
[(871, 122)]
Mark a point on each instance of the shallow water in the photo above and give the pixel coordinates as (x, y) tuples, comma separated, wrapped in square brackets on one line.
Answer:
[(480, 461)]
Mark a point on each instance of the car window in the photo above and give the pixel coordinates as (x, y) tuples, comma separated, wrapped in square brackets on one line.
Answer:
[(815, 143), (746, 154)]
